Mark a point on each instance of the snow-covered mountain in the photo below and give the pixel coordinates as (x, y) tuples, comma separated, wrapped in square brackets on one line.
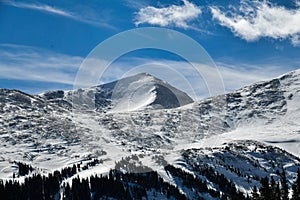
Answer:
[(128, 94), (244, 135)]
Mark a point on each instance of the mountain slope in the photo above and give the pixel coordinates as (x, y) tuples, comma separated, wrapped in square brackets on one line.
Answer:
[(228, 133)]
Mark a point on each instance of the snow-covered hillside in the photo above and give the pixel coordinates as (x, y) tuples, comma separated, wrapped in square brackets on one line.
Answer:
[(146, 117)]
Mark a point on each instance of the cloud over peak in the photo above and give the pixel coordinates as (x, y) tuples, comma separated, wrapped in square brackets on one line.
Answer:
[(255, 20), (173, 15)]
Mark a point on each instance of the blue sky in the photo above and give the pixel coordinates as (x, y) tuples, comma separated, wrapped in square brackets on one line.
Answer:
[(42, 43)]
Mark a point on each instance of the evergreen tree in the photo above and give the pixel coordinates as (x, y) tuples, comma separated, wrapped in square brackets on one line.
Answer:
[(275, 189), (255, 195), (265, 191), (296, 187), (272, 187), (67, 192), (284, 186), (74, 169), (277, 192)]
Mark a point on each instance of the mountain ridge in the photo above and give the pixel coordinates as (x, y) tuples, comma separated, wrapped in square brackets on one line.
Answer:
[(252, 123)]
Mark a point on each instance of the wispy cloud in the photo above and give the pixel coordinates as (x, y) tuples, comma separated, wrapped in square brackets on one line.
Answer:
[(257, 19), (236, 76), (40, 7), (138, 4), (183, 76), (35, 64), (95, 21), (174, 15)]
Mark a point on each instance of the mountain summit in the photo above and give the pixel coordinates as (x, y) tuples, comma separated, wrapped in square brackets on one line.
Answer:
[(145, 91), (137, 92)]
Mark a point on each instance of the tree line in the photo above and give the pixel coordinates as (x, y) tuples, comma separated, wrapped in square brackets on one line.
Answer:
[(123, 185), (277, 190)]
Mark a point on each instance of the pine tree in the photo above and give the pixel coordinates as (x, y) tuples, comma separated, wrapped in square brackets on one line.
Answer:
[(255, 195), (296, 187), (74, 169), (67, 192), (284, 186), (265, 190), (277, 192), (273, 187)]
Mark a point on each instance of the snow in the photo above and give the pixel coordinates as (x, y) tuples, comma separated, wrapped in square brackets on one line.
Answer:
[(55, 138), (133, 95)]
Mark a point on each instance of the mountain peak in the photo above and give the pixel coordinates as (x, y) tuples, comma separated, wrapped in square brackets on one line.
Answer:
[(146, 91), (136, 92), (142, 74)]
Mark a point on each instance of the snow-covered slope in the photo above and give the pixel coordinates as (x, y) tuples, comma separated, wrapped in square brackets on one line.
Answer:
[(44, 132), (259, 108), (142, 91)]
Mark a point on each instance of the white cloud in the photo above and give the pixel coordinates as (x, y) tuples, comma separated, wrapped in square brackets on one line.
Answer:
[(40, 7), (29, 63), (94, 20), (256, 19), (296, 40), (174, 15)]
